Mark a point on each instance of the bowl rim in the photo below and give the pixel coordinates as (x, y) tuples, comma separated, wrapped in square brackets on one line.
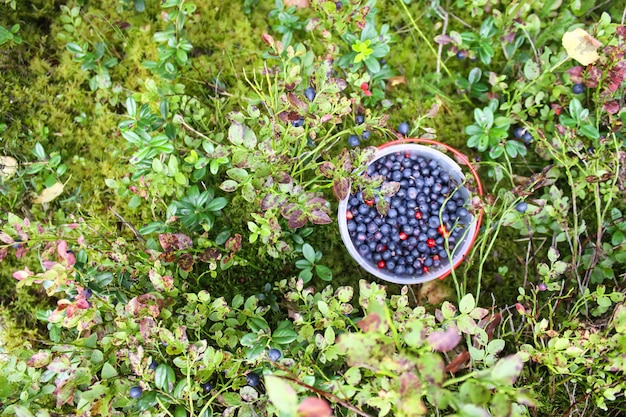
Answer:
[(429, 146)]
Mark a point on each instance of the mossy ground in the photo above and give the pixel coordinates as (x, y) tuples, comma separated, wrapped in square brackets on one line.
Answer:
[(44, 97)]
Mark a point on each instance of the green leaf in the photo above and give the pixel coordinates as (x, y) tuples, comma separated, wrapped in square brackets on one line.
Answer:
[(474, 75), (306, 275), (284, 336), (324, 272), (507, 369), (308, 252), (164, 377), (108, 371), (216, 204), (229, 185), (531, 70), (21, 411), (467, 304), (237, 174), (282, 395), (131, 107), (589, 131)]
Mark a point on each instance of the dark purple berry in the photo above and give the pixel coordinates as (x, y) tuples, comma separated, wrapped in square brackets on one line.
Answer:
[(353, 140), (153, 365), (461, 55), (87, 293), (578, 89), (521, 207), (360, 119), (298, 123), (366, 135), (310, 93), (274, 354), (207, 386), (135, 392), (518, 132), (403, 128), (527, 138), (252, 379)]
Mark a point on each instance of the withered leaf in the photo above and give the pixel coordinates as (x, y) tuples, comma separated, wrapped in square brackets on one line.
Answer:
[(341, 187), (327, 169), (185, 262), (370, 323), (233, 244), (296, 219), (388, 189), (319, 217)]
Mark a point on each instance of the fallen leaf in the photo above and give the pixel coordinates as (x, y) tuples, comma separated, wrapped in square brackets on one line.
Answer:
[(581, 46), (434, 291), (49, 194), (298, 3), (8, 167)]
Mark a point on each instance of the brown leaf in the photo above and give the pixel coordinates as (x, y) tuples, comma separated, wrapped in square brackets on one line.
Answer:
[(209, 255), (460, 361), (344, 160), (296, 219), (341, 188), (233, 244), (296, 102), (327, 169), (185, 262), (370, 323), (319, 217), (389, 189), (39, 359)]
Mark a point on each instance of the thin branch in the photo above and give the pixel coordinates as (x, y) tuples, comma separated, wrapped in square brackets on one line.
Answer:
[(130, 226)]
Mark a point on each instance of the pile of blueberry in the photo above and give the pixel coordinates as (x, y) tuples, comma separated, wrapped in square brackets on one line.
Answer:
[(428, 208)]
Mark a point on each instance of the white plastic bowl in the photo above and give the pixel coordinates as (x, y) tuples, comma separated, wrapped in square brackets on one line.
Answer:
[(459, 251)]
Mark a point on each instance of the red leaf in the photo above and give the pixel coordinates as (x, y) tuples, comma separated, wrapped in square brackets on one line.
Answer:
[(314, 407), (611, 106), (327, 169)]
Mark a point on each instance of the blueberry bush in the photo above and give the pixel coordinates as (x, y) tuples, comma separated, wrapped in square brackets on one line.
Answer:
[(171, 177)]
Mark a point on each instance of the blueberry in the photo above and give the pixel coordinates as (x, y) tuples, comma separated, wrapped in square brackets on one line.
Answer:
[(461, 55), (521, 207), (527, 138), (359, 119), (518, 132), (462, 213), (153, 365), (403, 128), (252, 379), (353, 140), (366, 135), (207, 386), (298, 123), (578, 88), (87, 293), (274, 354), (135, 392), (310, 93)]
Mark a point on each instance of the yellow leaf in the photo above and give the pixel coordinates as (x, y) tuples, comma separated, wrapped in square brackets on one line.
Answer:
[(8, 167), (49, 194), (581, 46)]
